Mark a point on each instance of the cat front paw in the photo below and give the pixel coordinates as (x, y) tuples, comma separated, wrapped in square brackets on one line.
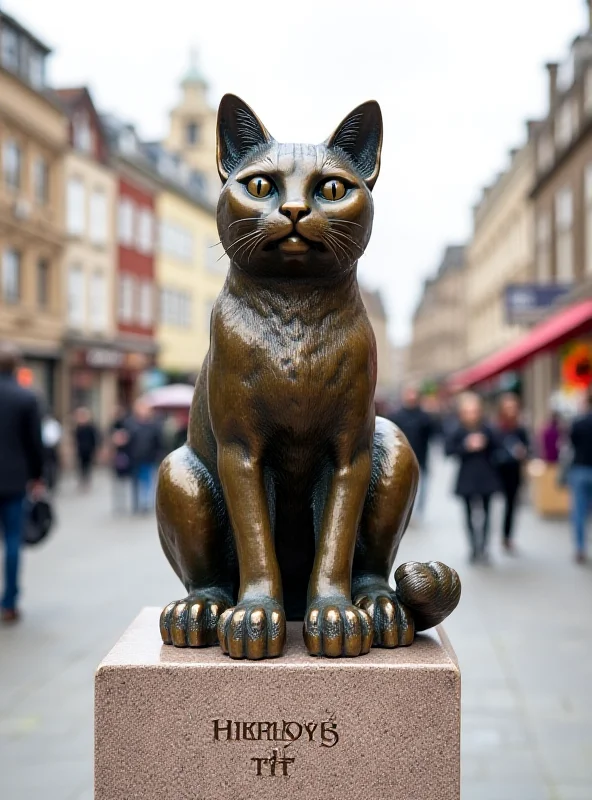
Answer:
[(253, 629), (333, 627), (393, 621), (193, 621)]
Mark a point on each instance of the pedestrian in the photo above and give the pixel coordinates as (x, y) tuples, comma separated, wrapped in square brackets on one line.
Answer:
[(419, 428), (51, 434), (21, 467), (474, 444), (551, 435), (145, 451), (87, 441), (120, 459), (579, 477), (513, 450)]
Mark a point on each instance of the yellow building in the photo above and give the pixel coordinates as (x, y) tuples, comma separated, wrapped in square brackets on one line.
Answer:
[(33, 138), (189, 277)]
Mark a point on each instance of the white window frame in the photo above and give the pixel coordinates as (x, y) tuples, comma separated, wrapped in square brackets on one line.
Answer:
[(82, 135), (98, 217), (126, 213), (76, 206), (126, 298), (41, 180), (146, 310), (145, 231), (77, 305), (11, 276), (9, 48), (12, 164), (97, 301)]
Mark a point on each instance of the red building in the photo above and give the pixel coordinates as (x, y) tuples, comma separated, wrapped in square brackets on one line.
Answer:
[(135, 293)]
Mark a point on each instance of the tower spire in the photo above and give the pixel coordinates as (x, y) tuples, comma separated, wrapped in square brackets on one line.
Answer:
[(194, 73)]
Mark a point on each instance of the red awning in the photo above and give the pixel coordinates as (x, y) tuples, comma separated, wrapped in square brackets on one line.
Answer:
[(547, 335)]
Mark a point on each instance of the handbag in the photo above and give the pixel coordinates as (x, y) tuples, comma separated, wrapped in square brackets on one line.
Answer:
[(39, 520)]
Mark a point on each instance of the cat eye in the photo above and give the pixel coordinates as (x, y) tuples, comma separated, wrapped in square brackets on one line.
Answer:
[(333, 189), (259, 186)]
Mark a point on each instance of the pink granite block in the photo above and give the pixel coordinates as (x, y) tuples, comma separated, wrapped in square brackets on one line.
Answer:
[(181, 724)]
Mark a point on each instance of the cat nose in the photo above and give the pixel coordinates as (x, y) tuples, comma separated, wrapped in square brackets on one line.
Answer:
[(294, 210)]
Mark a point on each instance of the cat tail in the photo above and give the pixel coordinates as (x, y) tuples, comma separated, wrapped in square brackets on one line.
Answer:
[(430, 591)]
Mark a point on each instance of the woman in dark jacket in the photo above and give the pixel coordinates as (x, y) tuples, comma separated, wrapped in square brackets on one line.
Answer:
[(513, 452), (475, 445)]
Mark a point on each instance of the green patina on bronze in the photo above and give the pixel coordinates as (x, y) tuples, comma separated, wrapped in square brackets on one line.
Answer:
[(290, 498)]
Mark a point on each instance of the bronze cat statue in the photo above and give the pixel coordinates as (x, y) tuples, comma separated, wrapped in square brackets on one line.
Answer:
[(290, 498)]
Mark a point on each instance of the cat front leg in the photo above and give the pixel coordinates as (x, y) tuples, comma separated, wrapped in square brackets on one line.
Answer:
[(333, 626), (256, 627)]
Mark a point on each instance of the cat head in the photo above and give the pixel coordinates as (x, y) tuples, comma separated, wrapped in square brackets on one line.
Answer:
[(294, 210)]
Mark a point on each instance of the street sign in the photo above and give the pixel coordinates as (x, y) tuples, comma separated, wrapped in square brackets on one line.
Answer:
[(526, 303)]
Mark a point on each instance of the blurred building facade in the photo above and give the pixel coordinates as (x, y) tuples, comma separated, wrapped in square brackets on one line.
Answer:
[(33, 141), (439, 333), (378, 317), (90, 352), (136, 289), (500, 253)]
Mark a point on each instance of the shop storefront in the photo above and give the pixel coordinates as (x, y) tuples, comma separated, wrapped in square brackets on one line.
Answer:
[(101, 378)]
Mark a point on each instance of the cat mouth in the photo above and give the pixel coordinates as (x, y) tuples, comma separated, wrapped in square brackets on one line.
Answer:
[(293, 245)]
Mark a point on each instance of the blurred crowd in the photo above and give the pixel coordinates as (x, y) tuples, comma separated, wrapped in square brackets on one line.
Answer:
[(495, 451)]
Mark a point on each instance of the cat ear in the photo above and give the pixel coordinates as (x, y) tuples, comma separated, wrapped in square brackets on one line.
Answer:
[(238, 131), (359, 135)]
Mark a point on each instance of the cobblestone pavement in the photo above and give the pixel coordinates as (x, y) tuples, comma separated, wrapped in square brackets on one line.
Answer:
[(523, 635)]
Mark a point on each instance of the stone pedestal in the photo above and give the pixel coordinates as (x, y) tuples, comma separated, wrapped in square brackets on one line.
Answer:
[(181, 724)]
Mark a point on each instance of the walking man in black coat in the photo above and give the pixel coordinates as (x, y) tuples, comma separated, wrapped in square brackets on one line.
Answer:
[(21, 463), (419, 428)]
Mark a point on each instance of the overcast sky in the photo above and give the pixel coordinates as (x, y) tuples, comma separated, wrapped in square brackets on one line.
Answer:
[(455, 78)]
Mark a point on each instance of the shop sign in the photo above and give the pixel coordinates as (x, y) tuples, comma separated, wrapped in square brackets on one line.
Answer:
[(526, 303), (102, 358)]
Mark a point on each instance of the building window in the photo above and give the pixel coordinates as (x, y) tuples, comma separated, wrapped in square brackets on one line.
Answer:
[(146, 315), (9, 48), (545, 152), (145, 239), (98, 217), (12, 159), (192, 133), (176, 241), (76, 296), (75, 202), (564, 127), (563, 235), (81, 132), (43, 285), (175, 308), (37, 69), (41, 180), (543, 235), (11, 276), (97, 301), (126, 298), (126, 222)]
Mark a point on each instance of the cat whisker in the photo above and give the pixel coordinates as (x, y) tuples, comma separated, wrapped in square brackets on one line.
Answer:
[(254, 235), (347, 238), (242, 238), (244, 219), (254, 247), (337, 243), (344, 222)]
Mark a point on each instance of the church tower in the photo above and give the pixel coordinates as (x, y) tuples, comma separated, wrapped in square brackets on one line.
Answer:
[(192, 132)]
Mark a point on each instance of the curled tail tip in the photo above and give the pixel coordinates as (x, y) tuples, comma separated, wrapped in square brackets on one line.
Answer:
[(430, 590)]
